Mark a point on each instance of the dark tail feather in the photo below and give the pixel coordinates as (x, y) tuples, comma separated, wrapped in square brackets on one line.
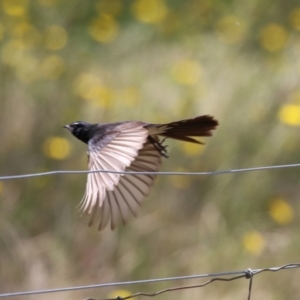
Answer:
[(186, 129)]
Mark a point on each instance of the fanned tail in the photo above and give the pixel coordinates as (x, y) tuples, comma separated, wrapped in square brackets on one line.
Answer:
[(186, 129)]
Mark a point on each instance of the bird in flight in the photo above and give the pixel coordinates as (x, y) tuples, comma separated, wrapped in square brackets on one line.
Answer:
[(128, 146)]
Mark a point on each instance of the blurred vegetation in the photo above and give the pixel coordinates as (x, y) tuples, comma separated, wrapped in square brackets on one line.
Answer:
[(156, 61)]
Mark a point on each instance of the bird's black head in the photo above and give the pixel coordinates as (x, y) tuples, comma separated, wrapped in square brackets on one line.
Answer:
[(81, 130)]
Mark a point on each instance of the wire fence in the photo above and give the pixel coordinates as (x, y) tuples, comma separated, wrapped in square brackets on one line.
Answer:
[(222, 276), (234, 275), (66, 172)]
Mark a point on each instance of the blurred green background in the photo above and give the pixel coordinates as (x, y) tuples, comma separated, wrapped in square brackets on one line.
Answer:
[(156, 61)]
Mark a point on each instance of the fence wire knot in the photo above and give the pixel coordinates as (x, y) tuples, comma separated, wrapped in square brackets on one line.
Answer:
[(249, 274)]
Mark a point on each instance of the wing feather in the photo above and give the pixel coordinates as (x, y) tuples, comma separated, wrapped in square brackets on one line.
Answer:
[(131, 190), (114, 210), (104, 215), (115, 153)]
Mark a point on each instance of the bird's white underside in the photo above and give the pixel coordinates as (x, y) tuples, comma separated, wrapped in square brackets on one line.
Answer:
[(114, 197)]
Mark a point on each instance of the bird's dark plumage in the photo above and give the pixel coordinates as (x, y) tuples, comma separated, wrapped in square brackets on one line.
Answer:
[(128, 146)]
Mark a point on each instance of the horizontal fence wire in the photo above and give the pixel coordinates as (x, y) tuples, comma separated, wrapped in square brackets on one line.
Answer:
[(222, 276), (66, 172)]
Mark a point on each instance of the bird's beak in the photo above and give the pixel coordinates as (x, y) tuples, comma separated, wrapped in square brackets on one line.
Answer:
[(67, 126)]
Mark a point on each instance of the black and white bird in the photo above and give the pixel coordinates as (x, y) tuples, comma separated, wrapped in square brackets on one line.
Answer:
[(128, 146)]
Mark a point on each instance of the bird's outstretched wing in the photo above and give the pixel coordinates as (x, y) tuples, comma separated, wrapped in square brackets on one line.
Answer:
[(114, 197)]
